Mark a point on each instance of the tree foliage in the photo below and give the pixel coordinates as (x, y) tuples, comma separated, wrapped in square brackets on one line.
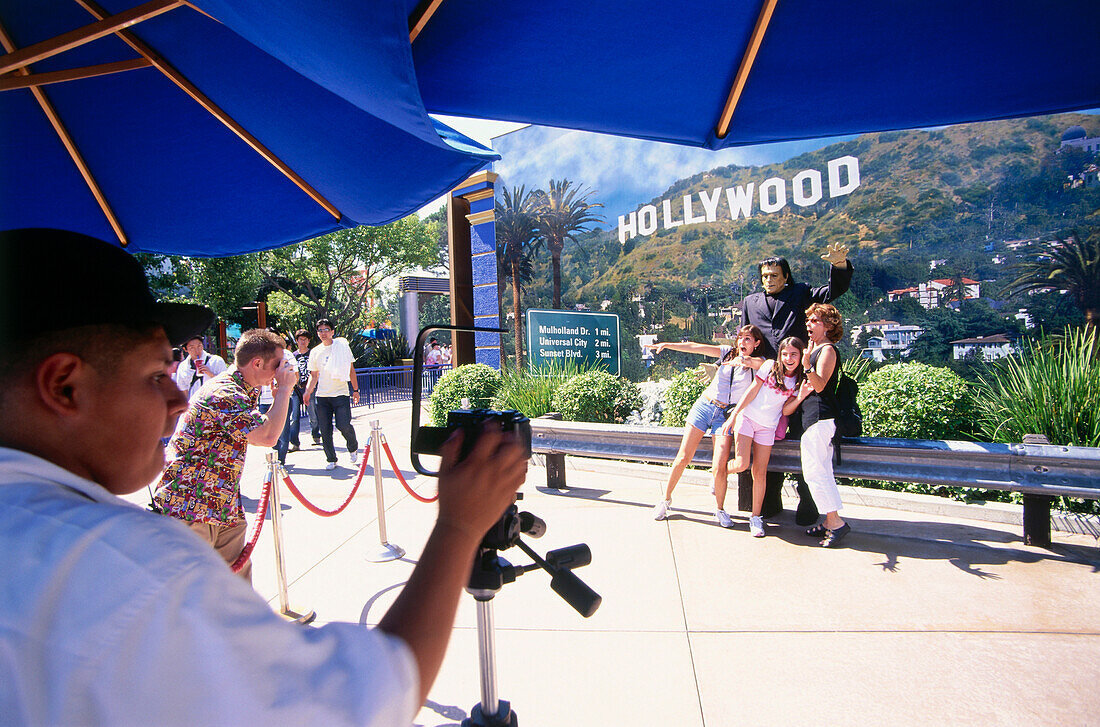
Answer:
[(563, 212), (329, 276), (517, 242), (1069, 264)]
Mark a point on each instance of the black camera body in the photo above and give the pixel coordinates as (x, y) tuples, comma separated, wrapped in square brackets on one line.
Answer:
[(429, 440)]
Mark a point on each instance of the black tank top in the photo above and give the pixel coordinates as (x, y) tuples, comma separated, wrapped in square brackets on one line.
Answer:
[(822, 405)]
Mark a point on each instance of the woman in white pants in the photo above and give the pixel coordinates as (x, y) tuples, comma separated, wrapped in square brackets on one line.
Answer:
[(819, 410)]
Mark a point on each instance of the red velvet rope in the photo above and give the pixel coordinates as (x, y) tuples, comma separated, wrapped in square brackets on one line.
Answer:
[(329, 513), (261, 513), (401, 478)]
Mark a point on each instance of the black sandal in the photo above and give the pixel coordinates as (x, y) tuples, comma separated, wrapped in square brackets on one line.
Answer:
[(832, 537), (817, 531)]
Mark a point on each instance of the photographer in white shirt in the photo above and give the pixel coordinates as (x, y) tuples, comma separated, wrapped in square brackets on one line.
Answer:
[(197, 367)]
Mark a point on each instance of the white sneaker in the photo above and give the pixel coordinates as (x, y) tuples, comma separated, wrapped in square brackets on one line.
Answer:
[(661, 511), (354, 456), (330, 466), (723, 518), (756, 526)]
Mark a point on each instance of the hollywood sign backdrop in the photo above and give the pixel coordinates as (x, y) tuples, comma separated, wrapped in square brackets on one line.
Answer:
[(769, 196)]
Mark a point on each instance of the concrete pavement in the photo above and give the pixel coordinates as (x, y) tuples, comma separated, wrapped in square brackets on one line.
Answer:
[(920, 619)]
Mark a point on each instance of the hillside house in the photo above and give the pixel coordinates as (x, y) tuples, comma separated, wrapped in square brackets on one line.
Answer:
[(936, 293), (895, 339), (989, 348), (1076, 136)]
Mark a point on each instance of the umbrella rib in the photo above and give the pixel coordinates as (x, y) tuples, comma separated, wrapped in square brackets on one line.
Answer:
[(73, 74), (216, 111), (70, 146), (420, 17), (66, 41), (747, 60)]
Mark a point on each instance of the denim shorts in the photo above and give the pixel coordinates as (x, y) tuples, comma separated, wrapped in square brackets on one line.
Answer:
[(705, 417)]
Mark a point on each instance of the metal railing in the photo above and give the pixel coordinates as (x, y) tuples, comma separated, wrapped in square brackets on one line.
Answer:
[(1038, 469), (385, 384)]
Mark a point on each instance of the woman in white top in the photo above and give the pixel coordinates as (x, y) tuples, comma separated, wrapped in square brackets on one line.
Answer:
[(735, 367), (773, 394)]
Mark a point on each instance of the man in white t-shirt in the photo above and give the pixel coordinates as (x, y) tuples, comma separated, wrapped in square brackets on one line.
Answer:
[(197, 367), (331, 368), (114, 615)]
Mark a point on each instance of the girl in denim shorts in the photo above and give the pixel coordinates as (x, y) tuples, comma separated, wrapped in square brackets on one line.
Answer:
[(708, 414)]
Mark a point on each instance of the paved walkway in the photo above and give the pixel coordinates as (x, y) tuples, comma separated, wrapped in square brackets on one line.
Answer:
[(921, 619)]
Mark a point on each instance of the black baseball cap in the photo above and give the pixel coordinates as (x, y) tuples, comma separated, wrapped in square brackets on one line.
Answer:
[(51, 280)]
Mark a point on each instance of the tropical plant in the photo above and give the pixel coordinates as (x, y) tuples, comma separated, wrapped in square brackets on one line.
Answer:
[(597, 396), (517, 242), (916, 401), (680, 397), (1070, 264), (531, 390), (1051, 388), (477, 383), (858, 368), (563, 211), (386, 352)]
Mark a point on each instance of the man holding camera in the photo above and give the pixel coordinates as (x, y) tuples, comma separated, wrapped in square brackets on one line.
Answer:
[(201, 484), (123, 616), (197, 367)]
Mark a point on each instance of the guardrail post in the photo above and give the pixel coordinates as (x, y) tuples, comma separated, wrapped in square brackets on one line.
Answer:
[(1037, 508), (555, 463)]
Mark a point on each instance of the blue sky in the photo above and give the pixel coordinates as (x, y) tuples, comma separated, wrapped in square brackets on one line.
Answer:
[(623, 172)]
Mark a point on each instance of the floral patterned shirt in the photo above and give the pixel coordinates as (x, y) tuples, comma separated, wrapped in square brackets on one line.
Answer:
[(201, 482)]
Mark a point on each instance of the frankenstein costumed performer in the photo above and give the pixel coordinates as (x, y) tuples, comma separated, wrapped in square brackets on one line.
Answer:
[(780, 311)]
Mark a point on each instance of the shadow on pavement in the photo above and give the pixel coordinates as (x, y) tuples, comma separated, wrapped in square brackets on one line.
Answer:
[(965, 546)]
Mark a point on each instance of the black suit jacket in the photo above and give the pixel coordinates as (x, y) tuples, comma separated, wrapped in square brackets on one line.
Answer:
[(784, 315)]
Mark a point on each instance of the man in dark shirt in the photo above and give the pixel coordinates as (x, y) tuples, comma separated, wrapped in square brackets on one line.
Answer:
[(302, 338), (780, 311)]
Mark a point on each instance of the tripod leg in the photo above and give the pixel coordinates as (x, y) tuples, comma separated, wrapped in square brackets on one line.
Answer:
[(492, 711)]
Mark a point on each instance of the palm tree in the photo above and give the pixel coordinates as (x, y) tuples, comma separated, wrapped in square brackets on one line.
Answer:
[(563, 212), (517, 240), (1071, 265)]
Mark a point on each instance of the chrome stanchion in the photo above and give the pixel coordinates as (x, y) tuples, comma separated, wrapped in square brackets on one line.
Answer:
[(386, 550), (275, 472)]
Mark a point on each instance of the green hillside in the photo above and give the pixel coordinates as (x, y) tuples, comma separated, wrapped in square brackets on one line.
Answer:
[(923, 195)]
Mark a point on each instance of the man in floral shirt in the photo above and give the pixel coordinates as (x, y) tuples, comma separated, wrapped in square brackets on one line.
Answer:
[(201, 483)]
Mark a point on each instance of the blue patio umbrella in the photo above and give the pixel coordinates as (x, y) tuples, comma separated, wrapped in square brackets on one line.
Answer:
[(243, 126), (334, 95), (718, 74)]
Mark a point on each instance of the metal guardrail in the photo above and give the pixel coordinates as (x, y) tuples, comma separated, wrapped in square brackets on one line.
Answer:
[(1033, 469), (386, 384)]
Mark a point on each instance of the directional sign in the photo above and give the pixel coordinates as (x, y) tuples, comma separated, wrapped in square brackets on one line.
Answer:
[(589, 340)]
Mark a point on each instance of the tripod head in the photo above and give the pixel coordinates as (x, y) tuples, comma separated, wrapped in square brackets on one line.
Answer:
[(491, 572)]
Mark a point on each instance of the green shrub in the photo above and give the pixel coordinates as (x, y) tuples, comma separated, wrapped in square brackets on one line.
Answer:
[(477, 382), (597, 396), (531, 391), (1052, 388), (916, 401), (679, 397)]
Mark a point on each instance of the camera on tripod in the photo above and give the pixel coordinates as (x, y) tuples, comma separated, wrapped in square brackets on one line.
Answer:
[(490, 571), (429, 440)]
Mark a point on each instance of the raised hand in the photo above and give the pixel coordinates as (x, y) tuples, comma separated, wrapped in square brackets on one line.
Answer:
[(836, 254)]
